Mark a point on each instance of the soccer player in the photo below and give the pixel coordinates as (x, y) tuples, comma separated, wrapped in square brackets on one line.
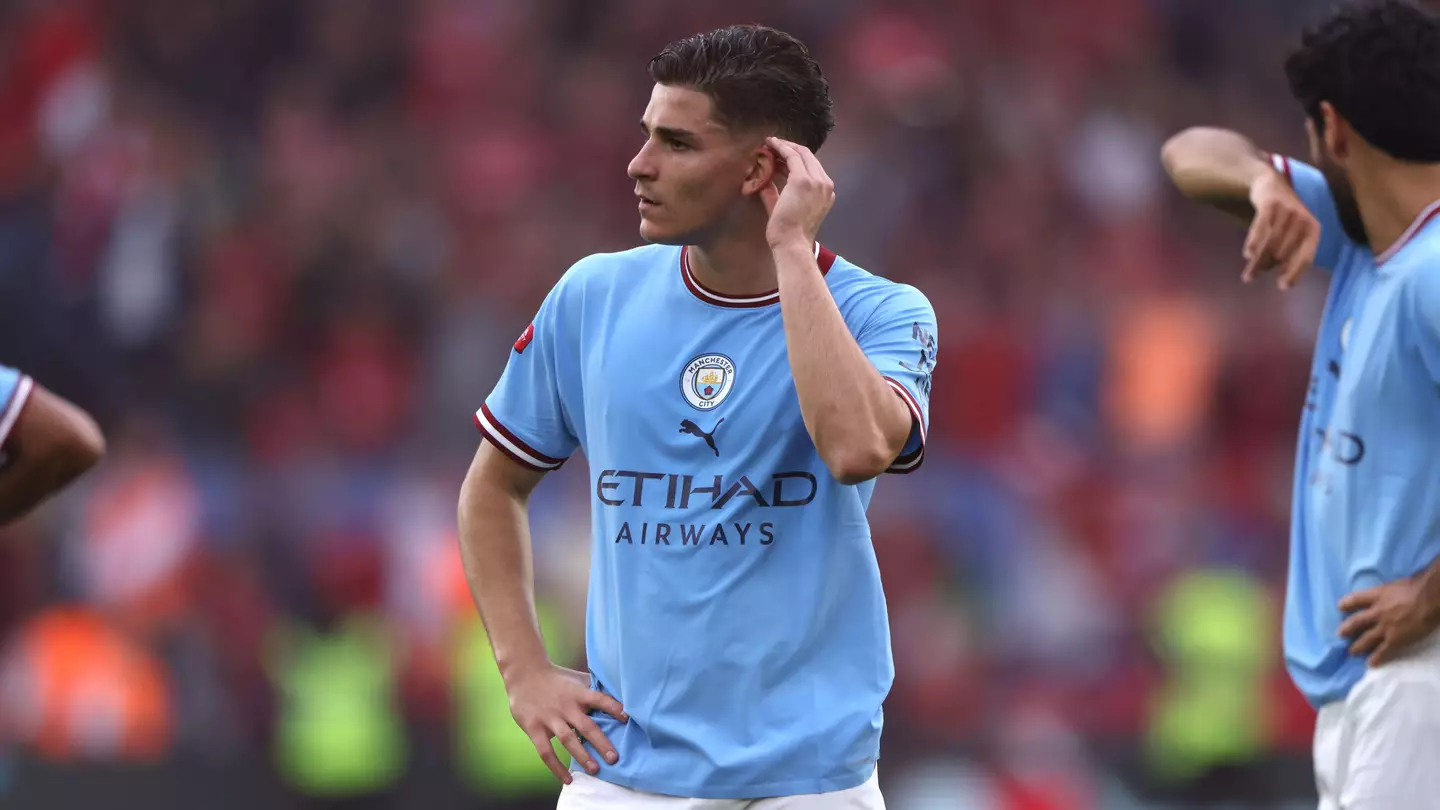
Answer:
[(736, 388), (1363, 597), (45, 444)]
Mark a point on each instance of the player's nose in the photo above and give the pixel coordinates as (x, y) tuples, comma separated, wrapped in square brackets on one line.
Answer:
[(642, 166)]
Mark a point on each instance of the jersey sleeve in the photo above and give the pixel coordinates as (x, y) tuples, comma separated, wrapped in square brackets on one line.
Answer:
[(525, 415), (901, 340), (1424, 312), (1313, 190), (15, 390)]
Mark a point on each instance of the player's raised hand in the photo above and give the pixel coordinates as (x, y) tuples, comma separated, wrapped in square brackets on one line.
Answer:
[(797, 210), (1384, 621), (1283, 236), (554, 703)]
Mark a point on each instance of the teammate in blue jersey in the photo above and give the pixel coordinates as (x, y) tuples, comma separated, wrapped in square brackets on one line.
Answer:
[(736, 388), (1363, 596), (45, 444)]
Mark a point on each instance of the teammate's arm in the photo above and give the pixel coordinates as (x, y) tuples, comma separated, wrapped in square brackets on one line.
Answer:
[(1217, 167), (547, 701), (46, 443), (1225, 170), (857, 422)]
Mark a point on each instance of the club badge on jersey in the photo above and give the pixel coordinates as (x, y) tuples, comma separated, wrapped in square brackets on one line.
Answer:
[(707, 381)]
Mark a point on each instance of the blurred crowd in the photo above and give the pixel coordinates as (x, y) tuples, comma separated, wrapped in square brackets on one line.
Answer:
[(281, 250)]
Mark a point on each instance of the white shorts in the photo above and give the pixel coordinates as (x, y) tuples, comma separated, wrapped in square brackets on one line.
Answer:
[(1379, 748), (587, 792)]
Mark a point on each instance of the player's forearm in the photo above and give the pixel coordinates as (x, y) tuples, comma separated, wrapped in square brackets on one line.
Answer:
[(495, 550), (857, 423), (1215, 166)]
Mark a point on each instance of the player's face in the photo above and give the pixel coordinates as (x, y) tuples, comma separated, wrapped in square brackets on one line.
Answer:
[(1322, 154), (691, 172)]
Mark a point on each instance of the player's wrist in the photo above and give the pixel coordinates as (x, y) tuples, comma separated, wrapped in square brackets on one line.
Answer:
[(1267, 180), (514, 669), (1427, 585), (792, 246)]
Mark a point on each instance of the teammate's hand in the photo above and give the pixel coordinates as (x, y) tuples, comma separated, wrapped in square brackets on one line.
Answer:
[(796, 211), (554, 703), (1386, 620), (1283, 234)]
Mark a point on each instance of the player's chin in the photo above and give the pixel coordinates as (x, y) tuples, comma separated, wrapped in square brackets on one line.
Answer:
[(657, 234)]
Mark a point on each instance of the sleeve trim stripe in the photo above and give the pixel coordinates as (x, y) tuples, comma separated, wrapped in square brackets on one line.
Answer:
[(511, 444), (15, 406), (914, 406), (909, 463), (1282, 165)]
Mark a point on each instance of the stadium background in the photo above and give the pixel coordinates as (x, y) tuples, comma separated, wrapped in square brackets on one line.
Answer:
[(281, 250)]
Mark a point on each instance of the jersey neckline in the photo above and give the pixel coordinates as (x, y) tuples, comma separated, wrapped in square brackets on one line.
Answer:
[(1429, 213), (823, 257)]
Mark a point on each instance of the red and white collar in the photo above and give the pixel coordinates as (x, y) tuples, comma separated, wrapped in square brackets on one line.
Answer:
[(823, 257), (1421, 221)]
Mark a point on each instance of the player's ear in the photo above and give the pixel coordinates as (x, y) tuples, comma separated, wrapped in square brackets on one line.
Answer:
[(1335, 133), (765, 168)]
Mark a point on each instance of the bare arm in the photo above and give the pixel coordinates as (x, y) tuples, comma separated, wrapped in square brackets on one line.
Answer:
[(1216, 166), (548, 702), (495, 548), (50, 445), (857, 422), (1224, 169)]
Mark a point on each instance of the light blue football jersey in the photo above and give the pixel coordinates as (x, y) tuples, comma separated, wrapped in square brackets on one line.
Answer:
[(735, 606), (14, 393), (1366, 505)]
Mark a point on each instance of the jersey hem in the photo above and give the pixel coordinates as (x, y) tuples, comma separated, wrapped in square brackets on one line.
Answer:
[(19, 398), (767, 790), (512, 445), (1319, 699)]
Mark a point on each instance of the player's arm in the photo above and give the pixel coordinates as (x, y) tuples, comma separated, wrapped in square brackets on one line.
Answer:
[(46, 443), (526, 433), (548, 702), (1226, 170), (857, 422), (495, 549), (1218, 167)]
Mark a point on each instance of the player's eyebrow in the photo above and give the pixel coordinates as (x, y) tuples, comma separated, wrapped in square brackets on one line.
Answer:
[(670, 133)]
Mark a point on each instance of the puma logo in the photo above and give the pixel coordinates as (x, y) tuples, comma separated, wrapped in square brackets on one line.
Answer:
[(692, 429)]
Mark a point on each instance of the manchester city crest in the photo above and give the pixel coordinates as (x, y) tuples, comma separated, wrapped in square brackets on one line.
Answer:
[(707, 380)]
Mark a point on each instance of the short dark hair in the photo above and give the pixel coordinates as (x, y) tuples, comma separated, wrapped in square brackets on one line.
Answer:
[(1378, 63), (755, 76)]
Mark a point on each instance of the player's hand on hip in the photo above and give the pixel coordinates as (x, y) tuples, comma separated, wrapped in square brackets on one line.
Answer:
[(797, 210), (554, 703), (1385, 621), (1283, 236)]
